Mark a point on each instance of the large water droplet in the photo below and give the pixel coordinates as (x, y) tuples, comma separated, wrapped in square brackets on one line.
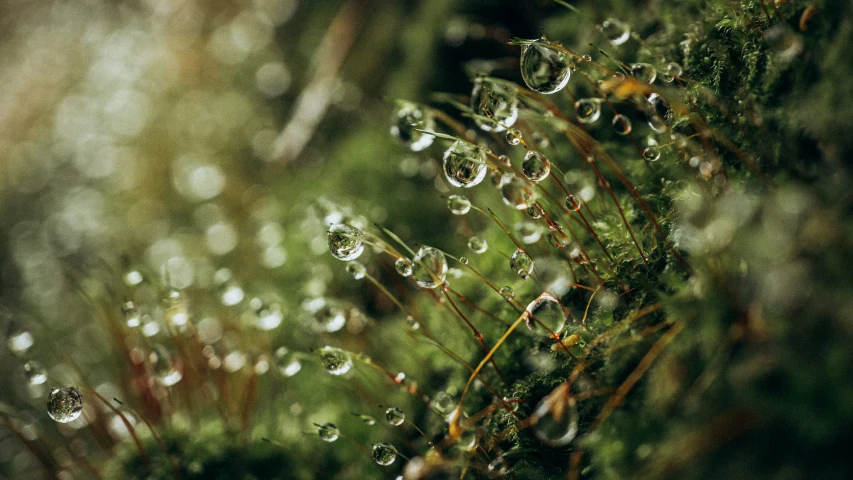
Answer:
[(616, 31), (384, 453), (409, 117), (345, 242), (477, 244), (517, 193), (403, 266), (458, 204), (64, 404), (588, 109), (621, 124), (557, 418), (495, 101), (429, 267), (35, 372), (513, 136), (328, 432), (536, 166), (644, 73), (544, 67), (394, 416), (521, 263), (652, 153), (464, 165), (335, 360), (545, 315)]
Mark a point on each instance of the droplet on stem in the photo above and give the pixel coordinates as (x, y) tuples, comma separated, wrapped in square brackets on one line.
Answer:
[(345, 242), (545, 68), (64, 404)]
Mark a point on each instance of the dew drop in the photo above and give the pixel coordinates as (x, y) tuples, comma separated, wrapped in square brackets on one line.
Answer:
[(20, 341), (644, 73), (506, 161), (268, 314), (131, 314), (507, 292), (286, 362), (673, 71), (356, 270), (394, 416), (536, 166), (544, 67), (403, 266), (463, 260), (328, 432), (335, 360), (35, 372), (458, 204), (652, 153), (429, 267), (443, 403), (557, 418), (513, 136), (621, 124), (163, 366), (534, 212), (409, 117), (572, 204), (496, 101), (588, 110), (232, 294), (517, 193), (464, 165), (544, 314), (521, 263), (384, 453), (477, 244), (528, 232), (64, 404), (616, 31), (367, 419), (656, 110), (345, 242), (133, 277)]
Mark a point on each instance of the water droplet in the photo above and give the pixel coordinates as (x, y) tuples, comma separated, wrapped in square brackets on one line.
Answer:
[(35, 372), (232, 294), (513, 136), (345, 242), (536, 166), (429, 267), (534, 212), (783, 42), (443, 403), (133, 277), (328, 432), (506, 161), (394, 416), (384, 453), (621, 124), (130, 313), (477, 244), (458, 204), (616, 31), (335, 360), (544, 67), (546, 311), (64, 404), (673, 71), (463, 260), (403, 266), (507, 292), (556, 418), (286, 362), (409, 117), (163, 366), (496, 101), (268, 314), (587, 58), (464, 165), (656, 111), (528, 231), (20, 341), (367, 419), (652, 153), (517, 193), (572, 203), (521, 263), (588, 109), (412, 323), (356, 270), (644, 73)]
